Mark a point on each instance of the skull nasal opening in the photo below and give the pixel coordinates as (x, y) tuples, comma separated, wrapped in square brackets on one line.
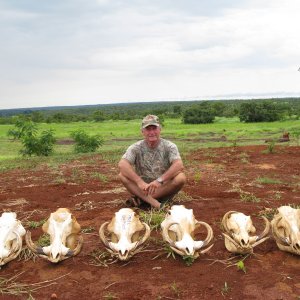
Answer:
[(188, 250), (243, 242), (55, 256), (297, 246), (123, 254)]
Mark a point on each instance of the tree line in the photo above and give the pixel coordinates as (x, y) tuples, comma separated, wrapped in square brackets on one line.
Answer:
[(191, 112)]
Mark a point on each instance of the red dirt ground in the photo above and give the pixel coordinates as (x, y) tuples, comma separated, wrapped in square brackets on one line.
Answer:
[(216, 179)]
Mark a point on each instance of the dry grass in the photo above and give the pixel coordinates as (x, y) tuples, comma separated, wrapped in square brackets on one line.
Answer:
[(101, 258), (10, 286), (15, 202), (26, 254), (182, 197)]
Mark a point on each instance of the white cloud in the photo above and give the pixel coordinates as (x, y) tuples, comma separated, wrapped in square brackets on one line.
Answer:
[(76, 52)]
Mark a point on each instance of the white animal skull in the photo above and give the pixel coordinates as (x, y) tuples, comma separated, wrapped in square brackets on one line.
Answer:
[(124, 230), (63, 230), (238, 232), (286, 229), (178, 230), (11, 233)]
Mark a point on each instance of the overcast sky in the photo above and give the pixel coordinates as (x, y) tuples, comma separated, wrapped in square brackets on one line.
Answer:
[(73, 52)]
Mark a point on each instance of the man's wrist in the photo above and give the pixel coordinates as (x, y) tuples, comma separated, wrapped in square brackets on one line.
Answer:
[(160, 180)]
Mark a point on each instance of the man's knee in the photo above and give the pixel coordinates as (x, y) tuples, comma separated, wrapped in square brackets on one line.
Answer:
[(122, 178), (180, 179)]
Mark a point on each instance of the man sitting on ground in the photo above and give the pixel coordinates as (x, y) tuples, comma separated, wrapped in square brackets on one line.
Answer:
[(152, 169)]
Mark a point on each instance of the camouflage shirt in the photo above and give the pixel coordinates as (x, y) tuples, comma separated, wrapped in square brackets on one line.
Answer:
[(151, 163)]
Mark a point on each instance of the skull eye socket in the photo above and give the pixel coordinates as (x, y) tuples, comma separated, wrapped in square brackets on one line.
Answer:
[(8, 244)]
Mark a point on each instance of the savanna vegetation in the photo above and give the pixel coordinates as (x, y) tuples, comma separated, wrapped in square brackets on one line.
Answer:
[(192, 112), (191, 125)]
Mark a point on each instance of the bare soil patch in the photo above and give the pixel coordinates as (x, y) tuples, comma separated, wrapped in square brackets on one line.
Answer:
[(217, 178)]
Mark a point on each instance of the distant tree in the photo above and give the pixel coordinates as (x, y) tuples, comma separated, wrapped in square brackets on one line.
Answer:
[(219, 108), (199, 114), (158, 111), (99, 116), (115, 116), (177, 110), (37, 117), (257, 111), (5, 120), (161, 120), (60, 117)]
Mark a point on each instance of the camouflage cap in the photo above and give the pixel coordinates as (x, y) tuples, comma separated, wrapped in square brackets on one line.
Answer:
[(150, 120)]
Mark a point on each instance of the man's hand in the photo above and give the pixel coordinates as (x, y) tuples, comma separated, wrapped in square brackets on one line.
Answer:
[(143, 186), (152, 187)]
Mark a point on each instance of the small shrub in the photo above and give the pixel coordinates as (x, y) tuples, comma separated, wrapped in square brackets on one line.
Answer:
[(271, 147), (23, 127), (26, 131), (85, 143), (40, 146)]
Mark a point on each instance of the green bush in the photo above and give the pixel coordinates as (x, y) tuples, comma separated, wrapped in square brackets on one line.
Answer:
[(85, 143), (26, 131), (199, 114), (23, 127), (40, 146), (265, 111)]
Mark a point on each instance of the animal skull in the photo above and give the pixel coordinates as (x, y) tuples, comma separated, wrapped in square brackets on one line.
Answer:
[(178, 230), (124, 230), (238, 229), (11, 233), (63, 230), (286, 229)]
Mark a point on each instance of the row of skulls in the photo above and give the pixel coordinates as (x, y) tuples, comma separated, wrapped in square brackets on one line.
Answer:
[(125, 233)]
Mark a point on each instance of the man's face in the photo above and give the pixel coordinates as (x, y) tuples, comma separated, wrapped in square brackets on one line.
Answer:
[(151, 133)]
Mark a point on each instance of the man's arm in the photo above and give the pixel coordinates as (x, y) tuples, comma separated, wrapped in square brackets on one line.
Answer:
[(127, 170), (175, 168)]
